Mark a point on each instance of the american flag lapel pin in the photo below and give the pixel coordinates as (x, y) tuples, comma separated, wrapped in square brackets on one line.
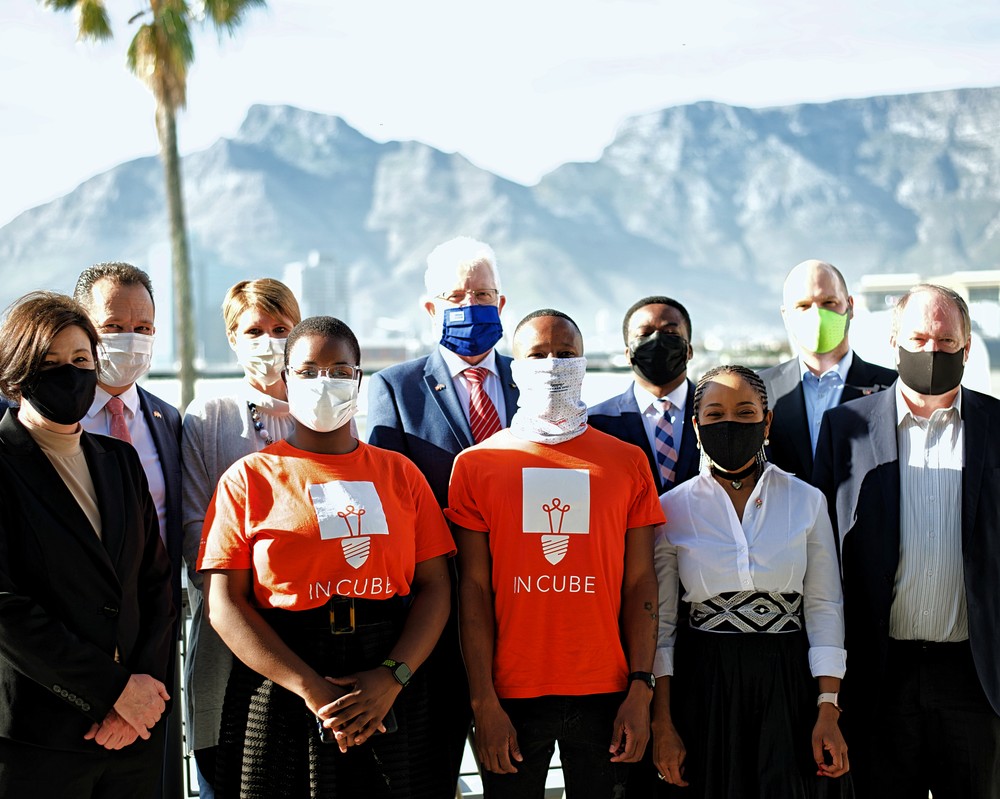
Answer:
[(157, 415)]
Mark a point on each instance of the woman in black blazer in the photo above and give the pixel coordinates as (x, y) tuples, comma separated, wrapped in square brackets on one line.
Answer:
[(86, 614)]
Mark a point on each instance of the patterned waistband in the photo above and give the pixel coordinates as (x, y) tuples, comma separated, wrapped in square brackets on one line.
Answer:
[(748, 612)]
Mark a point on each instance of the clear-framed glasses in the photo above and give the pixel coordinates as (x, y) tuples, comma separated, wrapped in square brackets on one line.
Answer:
[(475, 296), (341, 371)]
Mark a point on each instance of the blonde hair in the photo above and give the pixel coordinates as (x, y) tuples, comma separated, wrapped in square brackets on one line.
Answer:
[(265, 294)]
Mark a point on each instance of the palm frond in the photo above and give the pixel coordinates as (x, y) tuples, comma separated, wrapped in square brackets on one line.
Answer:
[(228, 15), (159, 56), (60, 5), (92, 20)]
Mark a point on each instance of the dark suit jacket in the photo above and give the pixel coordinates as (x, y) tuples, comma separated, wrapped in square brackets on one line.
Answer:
[(413, 409), (791, 447), (857, 468), (68, 599), (621, 417), (164, 424)]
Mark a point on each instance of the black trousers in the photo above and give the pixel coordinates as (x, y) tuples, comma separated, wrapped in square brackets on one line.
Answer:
[(129, 773), (931, 728)]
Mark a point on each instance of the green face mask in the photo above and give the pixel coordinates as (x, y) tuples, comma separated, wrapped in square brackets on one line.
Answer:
[(818, 330)]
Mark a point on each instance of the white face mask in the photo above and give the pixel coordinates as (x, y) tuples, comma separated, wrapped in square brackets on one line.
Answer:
[(549, 410), (124, 357), (322, 404), (262, 357)]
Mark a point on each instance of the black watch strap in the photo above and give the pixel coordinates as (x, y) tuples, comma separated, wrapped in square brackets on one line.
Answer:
[(645, 677)]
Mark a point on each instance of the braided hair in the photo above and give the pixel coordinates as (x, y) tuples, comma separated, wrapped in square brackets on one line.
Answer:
[(748, 375)]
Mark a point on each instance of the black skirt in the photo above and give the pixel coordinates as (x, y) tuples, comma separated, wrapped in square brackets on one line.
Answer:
[(269, 745), (745, 706)]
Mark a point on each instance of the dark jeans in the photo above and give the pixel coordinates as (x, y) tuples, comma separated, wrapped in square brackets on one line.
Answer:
[(931, 730), (582, 725)]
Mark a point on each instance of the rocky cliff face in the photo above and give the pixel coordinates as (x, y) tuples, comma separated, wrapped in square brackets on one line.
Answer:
[(707, 202)]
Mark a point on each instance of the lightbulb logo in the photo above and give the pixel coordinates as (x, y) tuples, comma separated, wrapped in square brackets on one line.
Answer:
[(350, 511), (555, 504)]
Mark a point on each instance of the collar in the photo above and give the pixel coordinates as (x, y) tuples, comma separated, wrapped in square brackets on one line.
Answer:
[(903, 412), (649, 402), (130, 398), (456, 365), (842, 368)]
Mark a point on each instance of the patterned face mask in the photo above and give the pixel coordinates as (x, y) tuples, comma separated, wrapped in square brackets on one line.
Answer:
[(549, 410)]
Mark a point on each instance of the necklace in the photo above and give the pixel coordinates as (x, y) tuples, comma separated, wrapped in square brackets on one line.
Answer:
[(258, 425), (735, 478)]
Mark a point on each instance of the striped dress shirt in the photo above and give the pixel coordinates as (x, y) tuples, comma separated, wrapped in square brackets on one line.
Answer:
[(929, 601)]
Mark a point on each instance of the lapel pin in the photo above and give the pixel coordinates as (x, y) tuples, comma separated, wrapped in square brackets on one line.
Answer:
[(758, 502), (512, 384), (439, 387), (157, 415)]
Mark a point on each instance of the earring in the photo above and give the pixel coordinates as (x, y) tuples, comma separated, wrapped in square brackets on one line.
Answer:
[(767, 442)]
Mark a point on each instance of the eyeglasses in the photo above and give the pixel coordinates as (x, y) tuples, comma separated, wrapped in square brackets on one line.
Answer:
[(339, 372), (476, 296)]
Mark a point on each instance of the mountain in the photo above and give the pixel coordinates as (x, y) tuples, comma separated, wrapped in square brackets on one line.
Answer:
[(707, 202)]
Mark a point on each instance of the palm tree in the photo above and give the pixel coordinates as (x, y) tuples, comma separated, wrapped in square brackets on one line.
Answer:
[(159, 55)]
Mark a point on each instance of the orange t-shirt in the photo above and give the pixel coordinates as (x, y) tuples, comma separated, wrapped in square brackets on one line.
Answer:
[(556, 516), (312, 526)]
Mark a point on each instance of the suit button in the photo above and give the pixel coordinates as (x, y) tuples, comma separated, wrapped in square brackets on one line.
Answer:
[(56, 688), (85, 706), (110, 610), (72, 697)]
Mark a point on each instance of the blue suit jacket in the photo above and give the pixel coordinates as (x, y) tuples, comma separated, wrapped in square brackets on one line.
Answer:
[(413, 409), (857, 468), (620, 417), (164, 424)]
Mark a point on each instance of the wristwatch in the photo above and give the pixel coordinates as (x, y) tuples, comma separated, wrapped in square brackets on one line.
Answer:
[(829, 698), (645, 677), (399, 670)]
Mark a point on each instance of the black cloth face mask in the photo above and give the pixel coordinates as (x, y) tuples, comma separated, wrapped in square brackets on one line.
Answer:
[(931, 373), (62, 395), (659, 357), (731, 445)]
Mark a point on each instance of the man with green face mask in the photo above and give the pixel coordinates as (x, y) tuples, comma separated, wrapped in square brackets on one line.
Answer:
[(817, 312)]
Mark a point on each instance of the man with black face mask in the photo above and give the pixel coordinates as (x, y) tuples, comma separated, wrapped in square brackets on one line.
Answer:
[(654, 412), (910, 477)]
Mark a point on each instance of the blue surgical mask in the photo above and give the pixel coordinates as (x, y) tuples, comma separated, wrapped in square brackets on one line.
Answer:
[(471, 329)]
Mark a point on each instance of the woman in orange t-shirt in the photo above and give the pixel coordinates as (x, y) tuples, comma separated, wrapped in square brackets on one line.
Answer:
[(325, 574)]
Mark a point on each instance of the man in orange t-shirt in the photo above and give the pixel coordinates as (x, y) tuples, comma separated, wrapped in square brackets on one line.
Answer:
[(558, 598)]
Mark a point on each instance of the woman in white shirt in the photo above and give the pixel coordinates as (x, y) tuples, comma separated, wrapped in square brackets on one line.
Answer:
[(750, 549)]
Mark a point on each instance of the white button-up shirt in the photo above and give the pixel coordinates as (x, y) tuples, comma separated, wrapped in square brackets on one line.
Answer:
[(456, 366), (650, 409), (784, 544)]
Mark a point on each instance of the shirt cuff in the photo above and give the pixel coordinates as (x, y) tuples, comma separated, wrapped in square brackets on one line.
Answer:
[(827, 661), (663, 662)]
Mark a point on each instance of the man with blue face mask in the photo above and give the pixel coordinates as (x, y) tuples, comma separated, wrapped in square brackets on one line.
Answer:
[(433, 407), (825, 372)]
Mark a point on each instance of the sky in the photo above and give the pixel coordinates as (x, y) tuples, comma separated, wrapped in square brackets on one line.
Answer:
[(517, 87)]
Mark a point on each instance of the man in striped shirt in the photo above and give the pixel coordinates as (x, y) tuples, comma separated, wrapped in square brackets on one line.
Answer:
[(910, 477)]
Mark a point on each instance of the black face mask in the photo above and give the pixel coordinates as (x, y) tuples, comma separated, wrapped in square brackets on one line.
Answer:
[(731, 445), (659, 358), (931, 373), (62, 395)]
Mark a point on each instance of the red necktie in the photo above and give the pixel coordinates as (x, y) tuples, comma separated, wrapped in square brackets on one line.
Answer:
[(119, 427), (483, 416)]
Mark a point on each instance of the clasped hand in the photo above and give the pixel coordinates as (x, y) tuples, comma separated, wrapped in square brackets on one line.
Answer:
[(358, 713), (137, 710)]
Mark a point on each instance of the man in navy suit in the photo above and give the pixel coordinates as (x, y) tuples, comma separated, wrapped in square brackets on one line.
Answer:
[(826, 372), (911, 480), (432, 408), (118, 297), (657, 333)]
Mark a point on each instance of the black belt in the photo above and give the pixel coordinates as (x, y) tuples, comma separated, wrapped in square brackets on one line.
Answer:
[(341, 615), (939, 648)]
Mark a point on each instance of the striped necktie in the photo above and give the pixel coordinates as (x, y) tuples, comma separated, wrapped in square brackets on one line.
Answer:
[(483, 417), (666, 451)]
